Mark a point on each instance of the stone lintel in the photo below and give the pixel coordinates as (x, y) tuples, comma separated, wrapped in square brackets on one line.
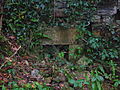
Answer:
[(58, 36)]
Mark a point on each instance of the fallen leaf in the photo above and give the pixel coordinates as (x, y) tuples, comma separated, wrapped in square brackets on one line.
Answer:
[(5, 80), (61, 85)]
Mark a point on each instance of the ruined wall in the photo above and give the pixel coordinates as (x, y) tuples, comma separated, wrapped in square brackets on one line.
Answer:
[(108, 12)]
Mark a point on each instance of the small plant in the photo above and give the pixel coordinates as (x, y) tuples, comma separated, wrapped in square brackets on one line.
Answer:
[(33, 86), (116, 83), (96, 80), (3, 87), (79, 83)]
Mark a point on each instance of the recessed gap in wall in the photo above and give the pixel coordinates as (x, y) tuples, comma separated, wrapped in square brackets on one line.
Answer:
[(117, 15), (52, 51)]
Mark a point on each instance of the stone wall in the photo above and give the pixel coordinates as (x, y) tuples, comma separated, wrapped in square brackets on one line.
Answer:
[(107, 13)]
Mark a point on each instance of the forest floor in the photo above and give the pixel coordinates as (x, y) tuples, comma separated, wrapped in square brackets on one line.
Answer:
[(55, 74), (24, 71)]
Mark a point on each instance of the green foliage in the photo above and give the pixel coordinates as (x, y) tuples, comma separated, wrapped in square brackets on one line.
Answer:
[(61, 54), (94, 82), (96, 79), (109, 76), (28, 86), (20, 20), (116, 83), (103, 49), (27, 21), (79, 83), (4, 47), (37, 86), (23, 18), (3, 87)]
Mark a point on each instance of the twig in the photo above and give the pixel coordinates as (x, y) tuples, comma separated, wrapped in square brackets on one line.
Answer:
[(15, 52), (84, 40), (8, 59)]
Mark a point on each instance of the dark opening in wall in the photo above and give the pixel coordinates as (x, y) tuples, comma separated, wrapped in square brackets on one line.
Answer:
[(53, 50), (117, 22), (117, 15)]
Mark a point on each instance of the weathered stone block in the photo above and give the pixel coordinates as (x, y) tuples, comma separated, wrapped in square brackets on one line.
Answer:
[(59, 36), (108, 11), (107, 19), (96, 18), (102, 19)]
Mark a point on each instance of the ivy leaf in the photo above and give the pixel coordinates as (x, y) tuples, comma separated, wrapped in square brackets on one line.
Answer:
[(94, 86), (75, 84), (80, 84), (3, 87), (93, 79), (36, 0), (34, 20), (100, 78), (117, 83), (99, 86), (12, 27), (61, 54), (101, 68), (72, 81)]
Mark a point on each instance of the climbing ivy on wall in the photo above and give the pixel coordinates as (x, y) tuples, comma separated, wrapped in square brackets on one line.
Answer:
[(23, 17)]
